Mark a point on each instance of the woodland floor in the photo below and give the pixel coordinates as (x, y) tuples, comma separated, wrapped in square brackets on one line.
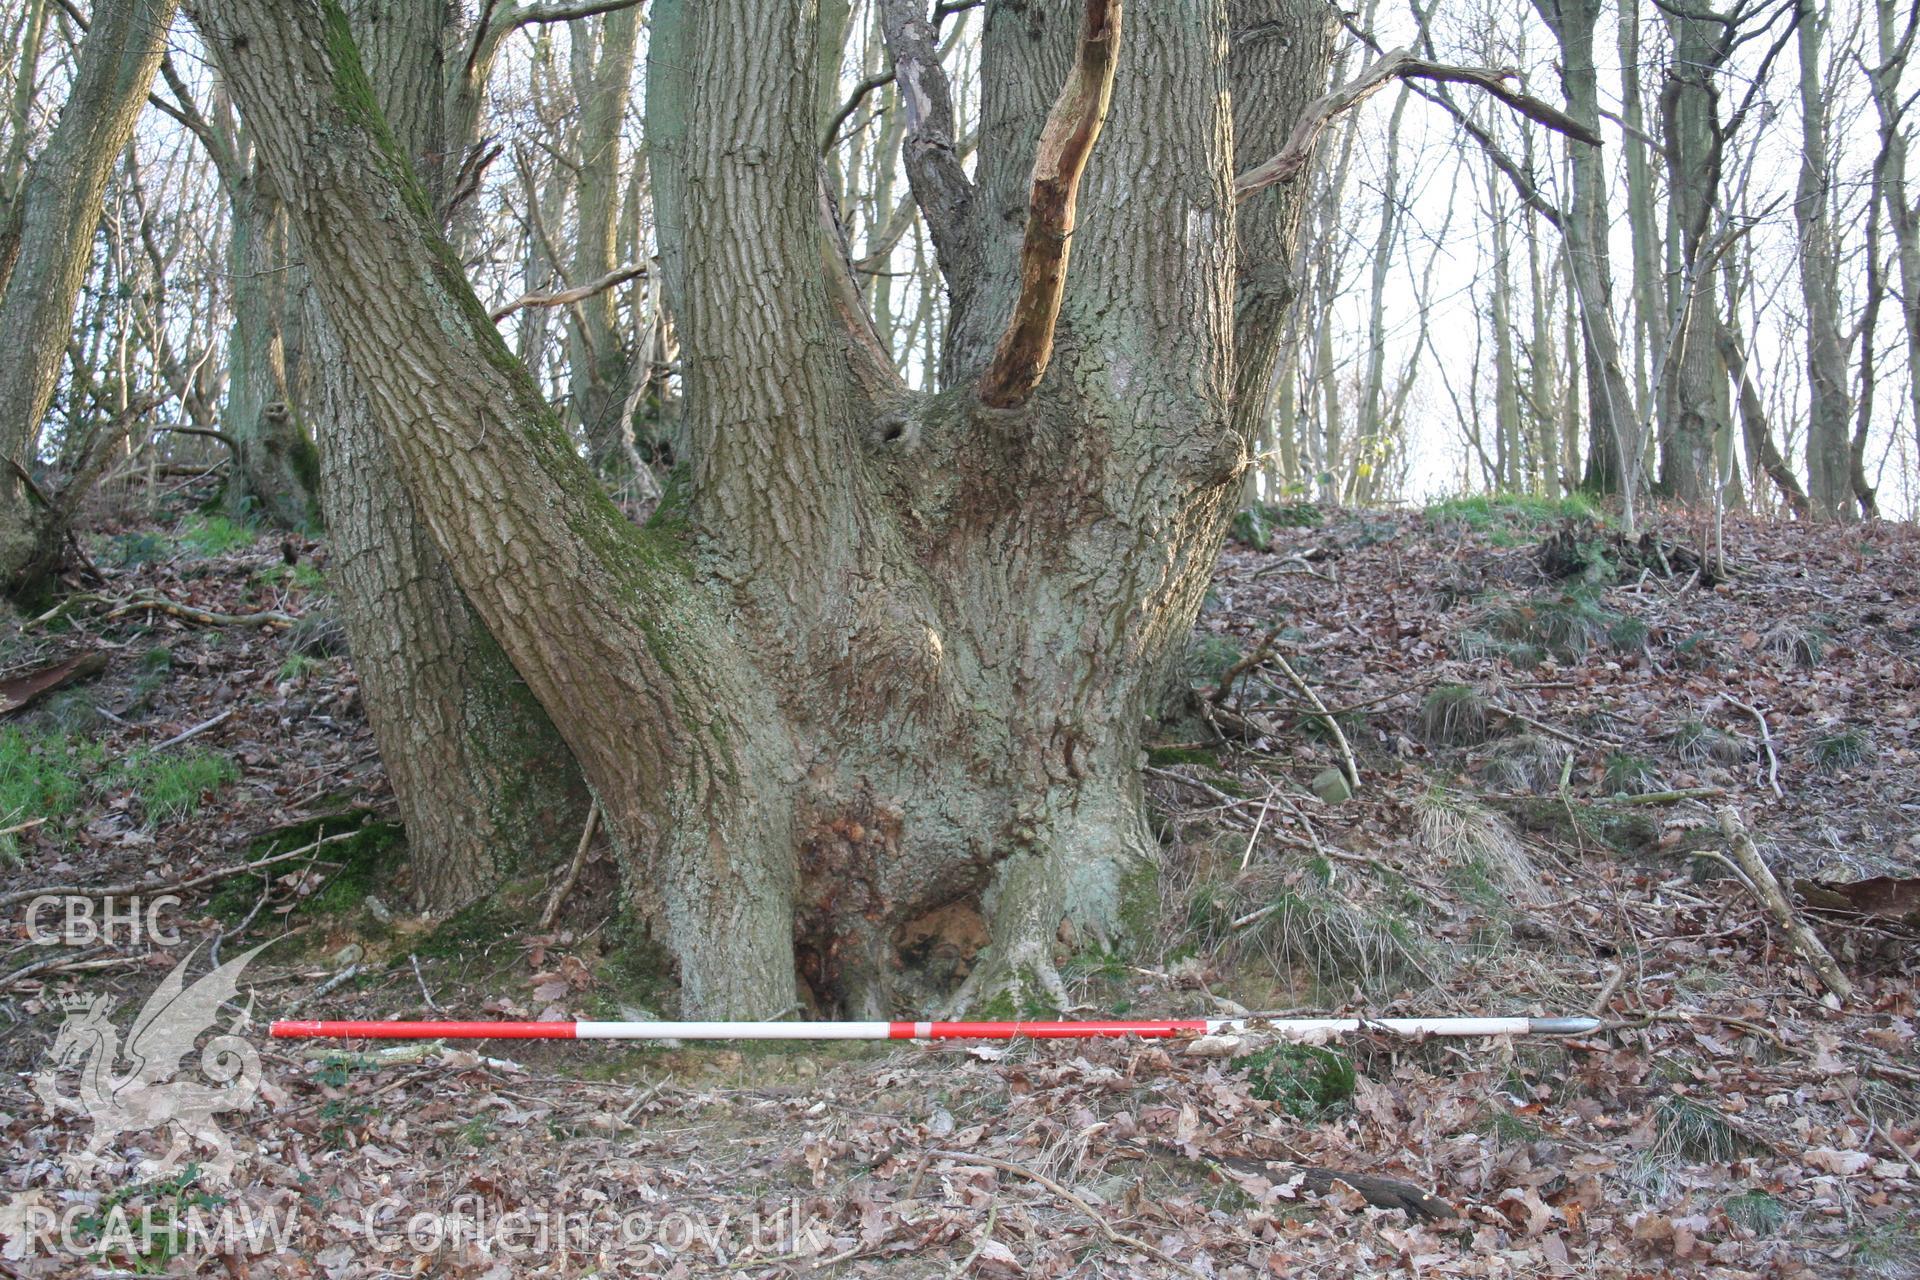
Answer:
[(1541, 761)]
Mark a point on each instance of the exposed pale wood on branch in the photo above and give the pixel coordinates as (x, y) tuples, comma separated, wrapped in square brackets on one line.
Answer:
[(1073, 126), (567, 297), (1397, 64)]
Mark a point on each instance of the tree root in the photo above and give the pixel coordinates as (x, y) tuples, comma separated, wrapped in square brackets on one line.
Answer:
[(1021, 976)]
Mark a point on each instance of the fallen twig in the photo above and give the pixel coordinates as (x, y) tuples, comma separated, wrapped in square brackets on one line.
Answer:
[(1766, 743), (561, 890), (420, 978), (154, 602), (1541, 726), (198, 729), (1774, 899), (49, 964)]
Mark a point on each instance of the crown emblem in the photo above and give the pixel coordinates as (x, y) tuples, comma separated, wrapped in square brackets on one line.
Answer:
[(79, 1002)]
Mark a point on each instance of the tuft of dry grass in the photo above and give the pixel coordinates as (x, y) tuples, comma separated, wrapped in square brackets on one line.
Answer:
[(1469, 836), (1454, 715)]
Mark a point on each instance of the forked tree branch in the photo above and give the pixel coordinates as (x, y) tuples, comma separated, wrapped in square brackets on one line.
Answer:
[(1021, 358), (1398, 64)]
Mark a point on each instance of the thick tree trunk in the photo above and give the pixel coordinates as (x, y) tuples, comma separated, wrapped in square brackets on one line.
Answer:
[(486, 786), (59, 208), (889, 663)]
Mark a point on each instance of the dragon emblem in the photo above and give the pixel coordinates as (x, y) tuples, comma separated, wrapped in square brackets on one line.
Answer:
[(142, 1094)]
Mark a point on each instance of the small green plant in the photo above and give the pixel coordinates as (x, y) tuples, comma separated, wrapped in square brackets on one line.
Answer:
[(1885, 1248), (304, 576), (1454, 715), (1508, 1129), (172, 785), (1306, 1080), (1254, 525), (317, 634), (1309, 929), (1755, 1211), (1626, 774), (134, 550), (1527, 762), (1477, 843), (145, 1240), (1567, 624), (1842, 749), (215, 535), (1210, 657), (298, 666)]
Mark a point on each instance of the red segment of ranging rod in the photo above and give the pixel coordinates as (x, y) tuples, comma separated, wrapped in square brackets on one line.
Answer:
[(298, 1030)]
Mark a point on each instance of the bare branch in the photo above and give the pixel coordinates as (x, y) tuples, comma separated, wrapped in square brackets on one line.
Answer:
[(527, 15), (1021, 358), (1398, 64), (567, 297), (861, 91)]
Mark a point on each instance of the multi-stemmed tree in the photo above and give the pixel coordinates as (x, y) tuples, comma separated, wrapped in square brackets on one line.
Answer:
[(883, 658)]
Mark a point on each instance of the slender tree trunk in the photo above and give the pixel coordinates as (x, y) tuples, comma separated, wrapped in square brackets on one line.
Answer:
[(13, 162), (1694, 381), (597, 358), (1509, 453), (1614, 444), (1385, 237), (276, 468), (1829, 437), (1903, 214), (57, 213), (1650, 320)]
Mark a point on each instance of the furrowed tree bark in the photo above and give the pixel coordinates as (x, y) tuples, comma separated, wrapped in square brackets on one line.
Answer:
[(486, 786), (50, 246), (872, 692)]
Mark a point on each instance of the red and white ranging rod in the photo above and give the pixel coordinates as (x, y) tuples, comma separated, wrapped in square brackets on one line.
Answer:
[(1151, 1030)]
